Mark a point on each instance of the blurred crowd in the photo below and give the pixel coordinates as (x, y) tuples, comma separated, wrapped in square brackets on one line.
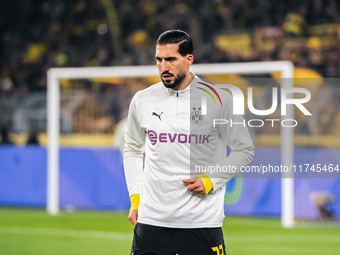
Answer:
[(39, 34)]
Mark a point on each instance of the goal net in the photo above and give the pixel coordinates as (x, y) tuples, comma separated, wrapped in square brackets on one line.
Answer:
[(265, 193)]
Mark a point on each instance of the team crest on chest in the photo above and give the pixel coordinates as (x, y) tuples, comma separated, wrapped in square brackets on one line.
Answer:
[(196, 116)]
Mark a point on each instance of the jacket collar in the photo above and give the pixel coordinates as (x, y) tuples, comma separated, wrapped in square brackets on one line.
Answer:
[(183, 92)]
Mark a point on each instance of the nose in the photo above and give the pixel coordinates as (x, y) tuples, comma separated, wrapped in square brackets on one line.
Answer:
[(164, 66)]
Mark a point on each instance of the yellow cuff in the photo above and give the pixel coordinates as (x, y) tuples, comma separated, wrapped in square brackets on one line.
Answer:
[(208, 185), (135, 199)]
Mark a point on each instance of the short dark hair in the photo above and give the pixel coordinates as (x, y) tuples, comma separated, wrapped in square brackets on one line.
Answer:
[(177, 36)]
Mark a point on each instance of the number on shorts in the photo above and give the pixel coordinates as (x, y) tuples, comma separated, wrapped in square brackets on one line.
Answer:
[(218, 249)]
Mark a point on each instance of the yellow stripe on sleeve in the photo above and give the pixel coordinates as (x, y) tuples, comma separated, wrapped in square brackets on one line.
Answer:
[(135, 200), (208, 185)]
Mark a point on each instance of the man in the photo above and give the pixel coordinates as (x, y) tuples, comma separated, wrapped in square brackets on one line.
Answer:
[(176, 208)]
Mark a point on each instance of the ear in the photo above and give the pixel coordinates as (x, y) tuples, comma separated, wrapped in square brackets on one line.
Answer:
[(190, 59)]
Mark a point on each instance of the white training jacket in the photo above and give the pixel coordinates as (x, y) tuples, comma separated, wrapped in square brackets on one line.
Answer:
[(181, 142)]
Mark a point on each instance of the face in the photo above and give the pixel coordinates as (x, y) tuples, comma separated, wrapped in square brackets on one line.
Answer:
[(172, 66)]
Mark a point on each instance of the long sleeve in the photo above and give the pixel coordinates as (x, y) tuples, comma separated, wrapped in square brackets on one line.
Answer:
[(133, 150), (236, 136)]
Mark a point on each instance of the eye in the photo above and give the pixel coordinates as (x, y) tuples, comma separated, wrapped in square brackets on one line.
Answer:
[(170, 59)]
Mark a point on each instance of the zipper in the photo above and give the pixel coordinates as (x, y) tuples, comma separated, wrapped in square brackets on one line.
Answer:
[(177, 108)]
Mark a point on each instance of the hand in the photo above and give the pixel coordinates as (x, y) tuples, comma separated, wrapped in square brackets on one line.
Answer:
[(133, 216), (196, 186)]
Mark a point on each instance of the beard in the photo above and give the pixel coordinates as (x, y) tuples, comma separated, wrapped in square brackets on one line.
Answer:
[(177, 81)]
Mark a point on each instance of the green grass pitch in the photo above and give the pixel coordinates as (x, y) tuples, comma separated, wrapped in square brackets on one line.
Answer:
[(34, 232)]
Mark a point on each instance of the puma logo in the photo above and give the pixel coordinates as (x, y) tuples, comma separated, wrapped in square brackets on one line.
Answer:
[(158, 115)]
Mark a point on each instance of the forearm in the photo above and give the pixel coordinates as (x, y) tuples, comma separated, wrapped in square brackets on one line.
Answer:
[(133, 169), (232, 164)]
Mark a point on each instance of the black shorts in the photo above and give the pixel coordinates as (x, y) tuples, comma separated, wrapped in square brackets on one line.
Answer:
[(154, 240)]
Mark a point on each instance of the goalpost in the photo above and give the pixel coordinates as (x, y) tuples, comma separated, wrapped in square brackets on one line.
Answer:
[(286, 69)]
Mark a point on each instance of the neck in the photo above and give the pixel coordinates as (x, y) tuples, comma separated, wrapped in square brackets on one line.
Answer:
[(186, 81)]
